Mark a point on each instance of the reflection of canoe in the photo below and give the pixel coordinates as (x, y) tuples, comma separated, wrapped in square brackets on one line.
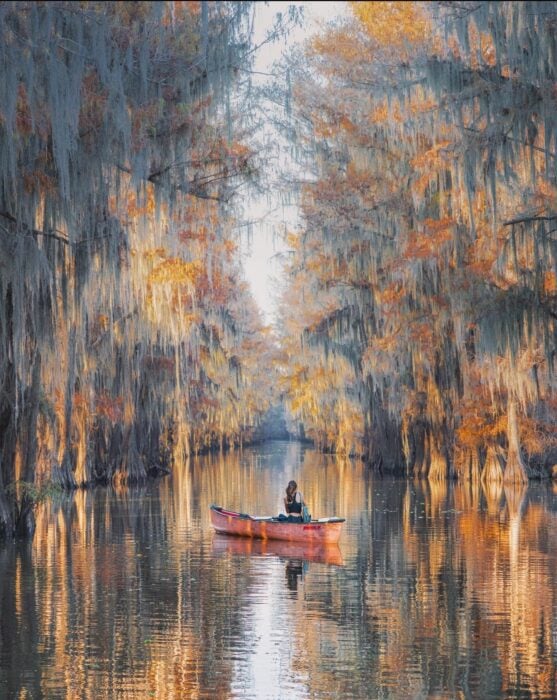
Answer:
[(308, 551), (323, 531)]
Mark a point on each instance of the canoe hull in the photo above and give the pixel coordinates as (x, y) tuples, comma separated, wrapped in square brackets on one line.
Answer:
[(230, 523)]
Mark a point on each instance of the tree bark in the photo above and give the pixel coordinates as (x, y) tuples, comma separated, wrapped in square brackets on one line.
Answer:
[(133, 468), (492, 471), (6, 519), (475, 466), (25, 523), (8, 431), (438, 464), (64, 475), (515, 471)]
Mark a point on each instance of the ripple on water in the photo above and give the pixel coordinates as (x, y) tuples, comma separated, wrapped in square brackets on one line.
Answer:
[(139, 598)]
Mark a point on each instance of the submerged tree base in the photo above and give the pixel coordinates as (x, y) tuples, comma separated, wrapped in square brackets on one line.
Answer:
[(489, 467)]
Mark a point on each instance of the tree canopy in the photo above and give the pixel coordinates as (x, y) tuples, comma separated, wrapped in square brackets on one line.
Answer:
[(128, 338), (426, 257)]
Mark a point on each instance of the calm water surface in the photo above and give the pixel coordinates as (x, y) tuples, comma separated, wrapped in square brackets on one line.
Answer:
[(435, 591)]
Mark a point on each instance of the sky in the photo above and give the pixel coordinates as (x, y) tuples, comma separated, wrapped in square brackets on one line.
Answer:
[(261, 253)]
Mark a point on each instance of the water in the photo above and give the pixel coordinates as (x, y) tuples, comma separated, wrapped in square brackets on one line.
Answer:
[(434, 591)]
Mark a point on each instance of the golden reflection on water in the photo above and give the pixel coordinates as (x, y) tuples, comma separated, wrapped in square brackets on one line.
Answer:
[(436, 590)]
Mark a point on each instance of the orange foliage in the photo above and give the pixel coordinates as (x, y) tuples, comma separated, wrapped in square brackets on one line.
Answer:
[(392, 294), (293, 240), (432, 157), (181, 8), (176, 271), (430, 242), (230, 248), (321, 127), (347, 124), (158, 363), (201, 234), (545, 195), (337, 43), (401, 25), (480, 423), (487, 49), (136, 209), (109, 407), (144, 119), (538, 436), (153, 253), (79, 400), (380, 111), (482, 267), (482, 254), (550, 283), (38, 181), (482, 50), (216, 288), (422, 335), (391, 162)]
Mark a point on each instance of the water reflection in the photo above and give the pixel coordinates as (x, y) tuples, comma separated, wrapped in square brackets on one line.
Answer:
[(294, 570), (245, 546), (434, 591)]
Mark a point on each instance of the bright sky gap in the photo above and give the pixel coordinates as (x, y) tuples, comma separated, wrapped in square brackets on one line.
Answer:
[(261, 253)]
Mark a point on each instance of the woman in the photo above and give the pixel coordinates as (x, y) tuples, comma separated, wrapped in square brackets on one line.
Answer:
[(293, 503)]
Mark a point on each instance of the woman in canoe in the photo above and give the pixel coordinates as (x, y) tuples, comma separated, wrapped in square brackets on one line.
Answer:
[(293, 502)]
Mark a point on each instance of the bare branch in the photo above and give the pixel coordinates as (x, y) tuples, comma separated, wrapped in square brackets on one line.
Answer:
[(57, 235), (529, 219)]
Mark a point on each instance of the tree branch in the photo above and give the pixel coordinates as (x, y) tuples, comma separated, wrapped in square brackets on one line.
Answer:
[(57, 235), (528, 219)]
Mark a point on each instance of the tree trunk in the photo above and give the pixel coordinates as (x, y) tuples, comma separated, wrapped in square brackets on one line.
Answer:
[(25, 522), (416, 451), (133, 468), (117, 446), (475, 466), (441, 467), (492, 472), (438, 468), (8, 432), (515, 472), (181, 444), (65, 475), (6, 520)]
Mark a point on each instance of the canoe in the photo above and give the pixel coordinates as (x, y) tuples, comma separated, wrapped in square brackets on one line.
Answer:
[(323, 530), (314, 552)]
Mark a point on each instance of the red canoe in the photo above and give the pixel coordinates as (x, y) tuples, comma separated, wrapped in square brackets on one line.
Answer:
[(323, 531)]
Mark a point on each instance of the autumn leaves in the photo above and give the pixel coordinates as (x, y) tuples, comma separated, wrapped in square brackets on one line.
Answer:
[(432, 129)]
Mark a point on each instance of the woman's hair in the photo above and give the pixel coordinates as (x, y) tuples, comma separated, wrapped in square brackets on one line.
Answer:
[(292, 486)]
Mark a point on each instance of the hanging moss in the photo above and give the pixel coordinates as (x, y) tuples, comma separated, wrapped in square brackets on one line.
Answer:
[(116, 237), (433, 201)]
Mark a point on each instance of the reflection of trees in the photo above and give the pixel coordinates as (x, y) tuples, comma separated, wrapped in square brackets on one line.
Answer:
[(446, 599), (452, 593), (445, 588), (117, 607), (123, 585), (18, 604)]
